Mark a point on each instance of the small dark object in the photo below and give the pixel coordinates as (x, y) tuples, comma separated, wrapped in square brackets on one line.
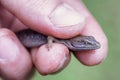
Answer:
[(30, 38)]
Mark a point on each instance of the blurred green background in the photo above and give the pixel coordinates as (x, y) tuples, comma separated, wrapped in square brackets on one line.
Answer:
[(107, 13)]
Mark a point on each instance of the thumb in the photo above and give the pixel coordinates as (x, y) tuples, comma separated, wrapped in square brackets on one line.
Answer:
[(59, 18)]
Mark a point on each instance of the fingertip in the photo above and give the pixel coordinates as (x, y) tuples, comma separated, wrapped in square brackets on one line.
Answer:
[(91, 58), (15, 62), (51, 60), (66, 20)]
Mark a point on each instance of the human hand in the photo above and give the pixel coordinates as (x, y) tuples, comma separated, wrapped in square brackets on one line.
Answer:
[(45, 16)]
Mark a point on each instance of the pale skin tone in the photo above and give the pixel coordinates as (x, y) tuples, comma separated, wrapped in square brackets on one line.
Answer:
[(34, 14)]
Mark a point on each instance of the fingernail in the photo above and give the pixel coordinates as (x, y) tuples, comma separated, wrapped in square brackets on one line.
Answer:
[(65, 15), (8, 49)]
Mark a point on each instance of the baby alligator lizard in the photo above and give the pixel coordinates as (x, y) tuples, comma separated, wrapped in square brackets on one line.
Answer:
[(30, 38)]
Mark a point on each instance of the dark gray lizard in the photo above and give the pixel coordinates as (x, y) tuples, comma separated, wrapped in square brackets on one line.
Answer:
[(30, 38)]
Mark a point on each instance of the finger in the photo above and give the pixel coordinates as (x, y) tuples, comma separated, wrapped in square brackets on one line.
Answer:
[(15, 62), (59, 18), (17, 26), (6, 18), (49, 60), (92, 28)]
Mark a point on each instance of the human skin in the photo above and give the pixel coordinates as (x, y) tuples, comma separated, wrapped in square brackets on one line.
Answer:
[(55, 57), (41, 16)]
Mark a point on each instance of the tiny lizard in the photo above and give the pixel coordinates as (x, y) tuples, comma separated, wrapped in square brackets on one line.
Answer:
[(30, 38)]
